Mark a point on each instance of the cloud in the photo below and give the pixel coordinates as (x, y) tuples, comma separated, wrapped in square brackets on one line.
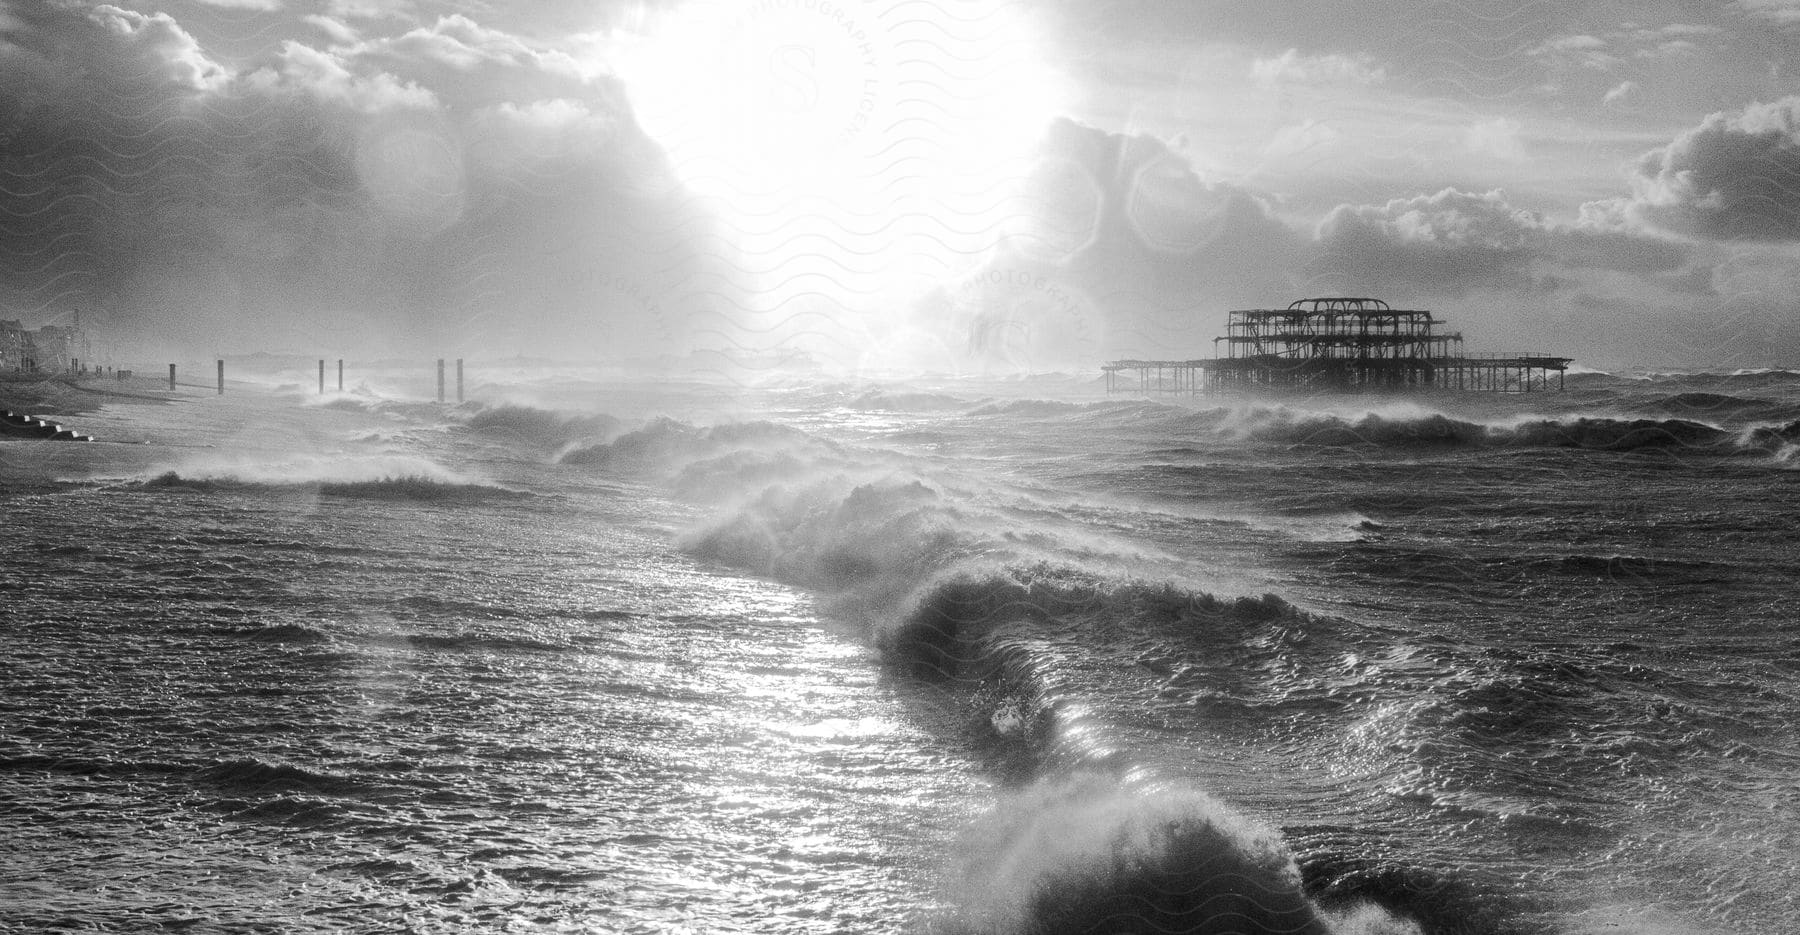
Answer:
[(1677, 31), (1610, 49), (264, 6), (1736, 176), (160, 43), (1449, 242), (1620, 93), (1291, 67), (458, 42), (1454, 242), (1118, 242), (1306, 138), (1785, 12), (1496, 138), (327, 75), (336, 31), (1672, 39), (1570, 43), (472, 65), (362, 198), (369, 9), (1149, 242), (1584, 50)]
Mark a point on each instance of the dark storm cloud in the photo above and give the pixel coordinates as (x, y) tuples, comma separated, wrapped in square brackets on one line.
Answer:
[(1157, 224), (1127, 248), (1733, 177), (1131, 240), (449, 185), (1453, 242)]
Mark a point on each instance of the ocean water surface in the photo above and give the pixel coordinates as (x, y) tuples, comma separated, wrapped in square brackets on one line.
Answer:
[(955, 656)]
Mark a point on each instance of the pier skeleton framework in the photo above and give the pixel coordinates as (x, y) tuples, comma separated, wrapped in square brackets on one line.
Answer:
[(1340, 344)]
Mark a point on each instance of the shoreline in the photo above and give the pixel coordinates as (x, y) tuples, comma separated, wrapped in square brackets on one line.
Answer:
[(62, 395)]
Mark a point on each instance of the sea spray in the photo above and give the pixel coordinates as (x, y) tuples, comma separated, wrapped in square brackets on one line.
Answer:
[(400, 487), (544, 428), (966, 601), (1096, 852), (308, 469)]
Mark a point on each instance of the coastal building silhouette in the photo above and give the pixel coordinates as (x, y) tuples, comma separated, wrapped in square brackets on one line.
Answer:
[(49, 349)]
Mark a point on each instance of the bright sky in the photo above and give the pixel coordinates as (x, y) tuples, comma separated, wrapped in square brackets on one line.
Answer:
[(887, 185)]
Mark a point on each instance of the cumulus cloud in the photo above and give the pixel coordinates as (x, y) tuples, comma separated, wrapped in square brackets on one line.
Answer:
[(161, 44), (1736, 176), (1150, 248), (458, 42), (453, 186), (476, 65), (1451, 241), (1116, 245), (338, 32), (302, 69), (1455, 242)]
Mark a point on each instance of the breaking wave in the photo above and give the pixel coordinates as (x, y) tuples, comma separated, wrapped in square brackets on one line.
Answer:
[(377, 478), (386, 488), (971, 599), (664, 442), (541, 427), (250, 775), (1698, 402), (1436, 430), (1091, 854)]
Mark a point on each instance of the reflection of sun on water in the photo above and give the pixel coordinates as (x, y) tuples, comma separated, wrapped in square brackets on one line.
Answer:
[(856, 153)]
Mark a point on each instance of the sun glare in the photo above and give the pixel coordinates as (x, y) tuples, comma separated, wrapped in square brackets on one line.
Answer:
[(855, 153)]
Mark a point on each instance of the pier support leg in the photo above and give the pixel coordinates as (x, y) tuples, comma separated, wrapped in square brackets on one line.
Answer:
[(440, 379), (321, 376), (459, 380), (171, 378), (221, 378), (340, 374)]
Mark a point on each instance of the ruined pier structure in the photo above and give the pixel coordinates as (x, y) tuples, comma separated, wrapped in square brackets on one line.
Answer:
[(1340, 344)]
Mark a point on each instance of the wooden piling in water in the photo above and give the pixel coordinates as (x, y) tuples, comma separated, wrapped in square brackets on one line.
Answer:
[(221, 378), (459, 380), (440, 379), (340, 374), (171, 378)]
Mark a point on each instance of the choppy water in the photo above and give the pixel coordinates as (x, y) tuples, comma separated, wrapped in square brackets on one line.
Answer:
[(959, 658)]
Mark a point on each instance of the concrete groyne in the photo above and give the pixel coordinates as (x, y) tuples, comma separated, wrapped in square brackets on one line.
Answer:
[(14, 425)]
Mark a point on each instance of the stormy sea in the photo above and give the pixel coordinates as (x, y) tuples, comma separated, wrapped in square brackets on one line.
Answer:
[(595, 654)]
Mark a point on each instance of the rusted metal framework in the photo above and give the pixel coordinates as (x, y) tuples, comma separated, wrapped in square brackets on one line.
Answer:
[(1340, 344), (1334, 342)]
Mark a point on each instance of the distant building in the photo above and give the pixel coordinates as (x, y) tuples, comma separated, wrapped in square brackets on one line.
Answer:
[(50, 349), (12, 345)]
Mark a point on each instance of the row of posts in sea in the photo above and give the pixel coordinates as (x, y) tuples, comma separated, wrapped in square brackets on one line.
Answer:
[(126, 374)]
